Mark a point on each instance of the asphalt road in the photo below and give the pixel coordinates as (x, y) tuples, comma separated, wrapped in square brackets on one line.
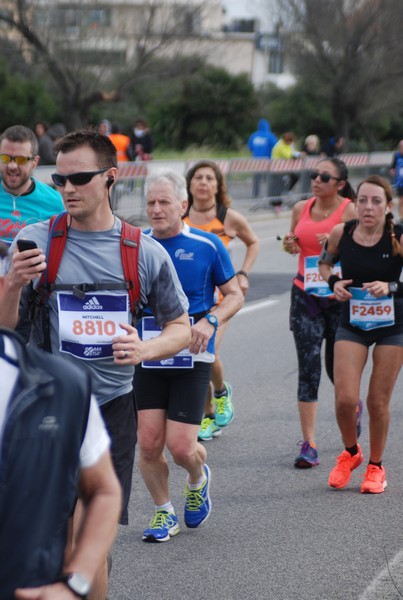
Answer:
[(275, 532)]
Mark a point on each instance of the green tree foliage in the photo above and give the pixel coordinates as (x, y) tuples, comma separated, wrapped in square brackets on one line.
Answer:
[(297, 108), (23, 100), (210, 108), (348, 50)]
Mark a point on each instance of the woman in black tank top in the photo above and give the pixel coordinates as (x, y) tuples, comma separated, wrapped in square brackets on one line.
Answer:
[(370, 250)]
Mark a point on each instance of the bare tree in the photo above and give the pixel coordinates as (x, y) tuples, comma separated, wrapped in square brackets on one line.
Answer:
[(348, 50), (83, 60)]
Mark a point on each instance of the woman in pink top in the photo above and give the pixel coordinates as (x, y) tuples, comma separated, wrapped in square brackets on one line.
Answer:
[(314, 313)]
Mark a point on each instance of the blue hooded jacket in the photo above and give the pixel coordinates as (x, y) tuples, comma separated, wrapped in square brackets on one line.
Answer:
[(261, 142)]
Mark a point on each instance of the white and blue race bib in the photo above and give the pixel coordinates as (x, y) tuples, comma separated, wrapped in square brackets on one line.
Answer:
[(87, 326), (368, 312), (182, 360), (314, 283)]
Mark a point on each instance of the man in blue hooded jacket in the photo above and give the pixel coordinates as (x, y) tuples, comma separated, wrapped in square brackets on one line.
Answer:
[(260, 144)]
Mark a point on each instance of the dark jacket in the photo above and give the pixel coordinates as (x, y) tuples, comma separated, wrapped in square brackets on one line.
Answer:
[(39, 467)]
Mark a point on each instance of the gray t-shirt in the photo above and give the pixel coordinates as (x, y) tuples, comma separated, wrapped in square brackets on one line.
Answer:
[(93, 257)]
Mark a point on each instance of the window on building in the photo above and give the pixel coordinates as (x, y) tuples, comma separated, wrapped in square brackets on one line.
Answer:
[(187, 21), (276, 54), (72, 17)]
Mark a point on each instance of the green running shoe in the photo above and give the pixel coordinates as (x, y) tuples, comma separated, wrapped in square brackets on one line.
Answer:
[(208, 430), (224, 413)]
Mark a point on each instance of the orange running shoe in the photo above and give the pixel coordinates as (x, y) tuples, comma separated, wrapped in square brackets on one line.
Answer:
[(374, 480), (341, 473)]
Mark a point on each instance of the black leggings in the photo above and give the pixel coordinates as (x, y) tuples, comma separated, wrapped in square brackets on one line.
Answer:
[(312, 321)]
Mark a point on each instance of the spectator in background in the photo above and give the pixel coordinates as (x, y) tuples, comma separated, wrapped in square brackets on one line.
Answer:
[(45, 144), (334, 146), (311, 148), (260, 144), (396, 171), (312, 145), (104, 127), (285, 147), (121, 142), (141, 144), (283, 182)]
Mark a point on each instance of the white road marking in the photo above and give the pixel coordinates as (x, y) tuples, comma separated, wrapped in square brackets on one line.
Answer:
[(382, 582), (256, 306)]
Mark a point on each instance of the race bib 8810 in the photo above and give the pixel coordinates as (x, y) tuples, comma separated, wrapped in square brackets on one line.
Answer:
[(87, 326)]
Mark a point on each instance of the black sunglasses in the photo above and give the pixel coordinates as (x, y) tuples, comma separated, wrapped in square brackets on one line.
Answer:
[(76, 178), (324, 177)]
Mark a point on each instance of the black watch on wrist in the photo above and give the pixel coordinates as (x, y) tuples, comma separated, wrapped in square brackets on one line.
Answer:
[(393, 287), (212, 319), (77, 583)]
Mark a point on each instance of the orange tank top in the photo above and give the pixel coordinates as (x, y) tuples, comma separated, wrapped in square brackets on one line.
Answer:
[(215, 226)]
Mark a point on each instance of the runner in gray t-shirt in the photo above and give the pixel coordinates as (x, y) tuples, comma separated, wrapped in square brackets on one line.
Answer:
[(98, 332)]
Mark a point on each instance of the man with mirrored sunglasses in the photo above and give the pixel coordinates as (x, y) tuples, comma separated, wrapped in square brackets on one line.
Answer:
[(23, 199)]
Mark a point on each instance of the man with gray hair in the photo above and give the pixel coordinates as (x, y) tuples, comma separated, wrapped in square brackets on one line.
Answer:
[(23, 199), (170, 394)]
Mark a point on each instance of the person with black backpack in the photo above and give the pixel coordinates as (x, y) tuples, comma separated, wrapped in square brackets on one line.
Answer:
[(53, 446)]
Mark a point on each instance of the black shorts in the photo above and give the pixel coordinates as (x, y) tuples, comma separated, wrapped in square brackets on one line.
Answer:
[(120, 420), (180, 392), (382, 336)]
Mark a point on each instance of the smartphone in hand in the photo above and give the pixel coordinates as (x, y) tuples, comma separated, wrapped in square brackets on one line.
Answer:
[(26, 245)]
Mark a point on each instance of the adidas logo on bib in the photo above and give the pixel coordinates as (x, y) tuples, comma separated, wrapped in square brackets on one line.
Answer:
[(93, 304)]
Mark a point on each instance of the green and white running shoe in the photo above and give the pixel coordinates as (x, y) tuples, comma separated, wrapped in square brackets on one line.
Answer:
[(208, 430), (162, 527), (224, 412)]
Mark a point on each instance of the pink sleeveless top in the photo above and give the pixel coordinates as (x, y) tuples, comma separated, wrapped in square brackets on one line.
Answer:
[(306, 231)]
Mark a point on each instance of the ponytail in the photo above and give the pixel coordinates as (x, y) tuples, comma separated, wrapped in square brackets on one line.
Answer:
[(390, 226), (347, 191)]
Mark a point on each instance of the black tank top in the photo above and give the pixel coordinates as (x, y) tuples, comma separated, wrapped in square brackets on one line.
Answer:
[(363, 264)]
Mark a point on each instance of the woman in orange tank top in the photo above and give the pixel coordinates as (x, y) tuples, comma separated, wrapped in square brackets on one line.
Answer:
[(209, 210)]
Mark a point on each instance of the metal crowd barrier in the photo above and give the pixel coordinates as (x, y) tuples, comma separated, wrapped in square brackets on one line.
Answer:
[(261, 184)]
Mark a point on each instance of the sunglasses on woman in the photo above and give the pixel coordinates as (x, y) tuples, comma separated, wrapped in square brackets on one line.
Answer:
[(324, 177), (76, 178)]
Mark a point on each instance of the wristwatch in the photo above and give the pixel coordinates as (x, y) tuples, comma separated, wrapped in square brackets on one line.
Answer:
[(212, 319), (393, 287), (77, 583)]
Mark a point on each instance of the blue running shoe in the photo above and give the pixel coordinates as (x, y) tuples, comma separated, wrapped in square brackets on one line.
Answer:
[(198, 505), (224, 412), (308, 457), (162, 527), (208, 430), (359, 413)]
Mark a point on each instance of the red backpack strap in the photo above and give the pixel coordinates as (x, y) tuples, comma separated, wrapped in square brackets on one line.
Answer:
[(129, 249), (54, 250)]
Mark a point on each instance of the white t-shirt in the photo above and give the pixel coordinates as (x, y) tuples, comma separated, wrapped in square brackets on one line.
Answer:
[(96, 440)]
